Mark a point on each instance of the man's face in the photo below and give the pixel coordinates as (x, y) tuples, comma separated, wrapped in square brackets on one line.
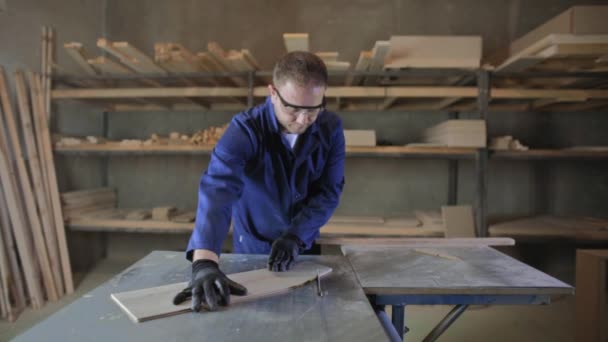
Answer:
[(297, 107)]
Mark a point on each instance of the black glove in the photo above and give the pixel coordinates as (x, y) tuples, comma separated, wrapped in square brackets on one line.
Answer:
[(209, 287), (284, 252)]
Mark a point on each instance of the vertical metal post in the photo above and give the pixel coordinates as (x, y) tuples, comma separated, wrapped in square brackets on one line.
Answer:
[(398, 319), (481, 160), (453, 172)]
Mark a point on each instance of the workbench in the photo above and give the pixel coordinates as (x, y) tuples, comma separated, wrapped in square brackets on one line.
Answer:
[(343, 314), (460, 276)]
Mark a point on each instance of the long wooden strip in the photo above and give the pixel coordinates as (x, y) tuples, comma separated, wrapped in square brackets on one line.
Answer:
[(47, 154), (23, 239), (38, 188), (5, 280), (407, 241), (157, 302), (13, 255), (25, 188)]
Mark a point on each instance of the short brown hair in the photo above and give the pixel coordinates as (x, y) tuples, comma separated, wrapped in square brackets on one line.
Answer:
[(303, 68)]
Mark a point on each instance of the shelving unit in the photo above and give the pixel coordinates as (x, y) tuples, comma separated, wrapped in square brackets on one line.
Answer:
[(480, 90)]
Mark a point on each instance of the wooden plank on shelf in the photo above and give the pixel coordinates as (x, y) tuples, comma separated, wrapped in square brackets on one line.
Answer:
[(25, 188), (360, 137), (108, 66), (551, 227), (130, 56), (458, 221), (434, 52), (123, 225), (157, 302), (410, 241), (296, 41), (365, 58), (530, 57), (51, 178), (375, 230), (376, 63), (166, 92), (79, 194), (80, 56), (35, 171), (217, 53), (328, 56)]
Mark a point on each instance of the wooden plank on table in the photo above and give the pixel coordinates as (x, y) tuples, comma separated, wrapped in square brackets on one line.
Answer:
[(24, 186), (375, 230), (51, 178), (157, 302), (80, 56), (376, 63), (38, 187), (434, 52), (296, 41), (458, 221), (409, 241), (591, 306)]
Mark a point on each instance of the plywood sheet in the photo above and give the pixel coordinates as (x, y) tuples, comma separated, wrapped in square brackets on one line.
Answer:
[(458, 221), (157, 302)]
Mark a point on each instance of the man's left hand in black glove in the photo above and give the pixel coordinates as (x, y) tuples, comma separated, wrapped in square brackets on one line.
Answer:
[(284, 252)]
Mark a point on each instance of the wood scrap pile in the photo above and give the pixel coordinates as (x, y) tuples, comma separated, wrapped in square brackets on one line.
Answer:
[(506, 143), (34, 260), (209, 136), (78, 203)]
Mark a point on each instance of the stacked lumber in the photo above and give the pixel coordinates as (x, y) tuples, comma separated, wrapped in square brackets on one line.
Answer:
[(34, 261), (77, 203), (434, 52), (457, 133), (574, 228)]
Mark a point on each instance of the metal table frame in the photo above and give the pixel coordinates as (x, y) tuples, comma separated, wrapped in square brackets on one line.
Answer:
[(461, 302)]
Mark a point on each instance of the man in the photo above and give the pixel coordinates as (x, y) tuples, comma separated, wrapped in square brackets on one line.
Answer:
[(278, 170)]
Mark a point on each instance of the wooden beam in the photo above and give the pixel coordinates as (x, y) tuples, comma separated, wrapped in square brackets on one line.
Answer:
[(35, 170), (25, 187), (18, 288), (130, 56), (22, 238), (51, 178)]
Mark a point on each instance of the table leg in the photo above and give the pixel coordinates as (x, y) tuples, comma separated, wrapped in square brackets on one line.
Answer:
[(445, 323), (398, 319)]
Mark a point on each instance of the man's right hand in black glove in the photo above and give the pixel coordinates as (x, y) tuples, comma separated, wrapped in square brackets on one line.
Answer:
[(209, 287)]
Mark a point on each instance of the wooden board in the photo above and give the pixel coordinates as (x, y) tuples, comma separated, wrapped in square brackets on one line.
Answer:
[(360, 137), (428, 242), (434, 52), (157, 302), (458, 221), (575, 20), (591, 308), (575, 228), (296, 41)]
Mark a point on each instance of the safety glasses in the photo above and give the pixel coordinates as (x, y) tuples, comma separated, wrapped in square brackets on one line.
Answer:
[(294, 110)]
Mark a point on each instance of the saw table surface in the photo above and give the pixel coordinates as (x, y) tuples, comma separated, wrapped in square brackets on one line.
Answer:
[(447, 270), (343, 314)]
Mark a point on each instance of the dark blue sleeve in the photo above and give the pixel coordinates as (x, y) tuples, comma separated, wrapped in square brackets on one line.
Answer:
[(323, 200), (220, 186)]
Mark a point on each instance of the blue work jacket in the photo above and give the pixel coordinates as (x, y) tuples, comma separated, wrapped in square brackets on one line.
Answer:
[(266, 187)]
